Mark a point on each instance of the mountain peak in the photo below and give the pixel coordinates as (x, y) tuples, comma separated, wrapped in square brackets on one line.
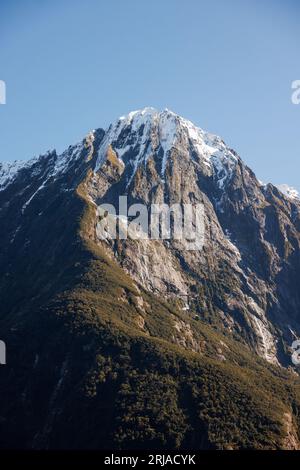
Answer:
[(149, 132), (288, 191)]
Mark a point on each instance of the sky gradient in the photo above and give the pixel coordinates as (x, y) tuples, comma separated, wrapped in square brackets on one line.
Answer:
[(71, 66)]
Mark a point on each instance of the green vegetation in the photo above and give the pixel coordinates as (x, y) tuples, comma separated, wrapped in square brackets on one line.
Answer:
[(97, 362)]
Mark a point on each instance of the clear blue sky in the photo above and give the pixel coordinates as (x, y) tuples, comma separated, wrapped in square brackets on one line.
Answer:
[(227, 65)]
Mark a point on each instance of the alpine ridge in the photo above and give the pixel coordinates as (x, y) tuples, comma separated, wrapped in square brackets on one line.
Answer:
[(124, 343)]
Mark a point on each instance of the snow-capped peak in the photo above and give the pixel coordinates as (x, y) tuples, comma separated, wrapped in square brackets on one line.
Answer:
[(59, 164), (9, 170), (137, 136), (142, 133), (288, 191)]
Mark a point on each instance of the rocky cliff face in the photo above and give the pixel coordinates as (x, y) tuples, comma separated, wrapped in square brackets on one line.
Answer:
[(245, 277), (83, 304)]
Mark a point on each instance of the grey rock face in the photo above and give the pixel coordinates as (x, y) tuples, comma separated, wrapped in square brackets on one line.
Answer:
[(245, 279)]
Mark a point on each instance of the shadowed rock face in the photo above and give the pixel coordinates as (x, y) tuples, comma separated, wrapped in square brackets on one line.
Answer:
[(65, 294)]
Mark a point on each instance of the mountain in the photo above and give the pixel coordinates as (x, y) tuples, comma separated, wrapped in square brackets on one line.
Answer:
[(121, 343), (288, 191)]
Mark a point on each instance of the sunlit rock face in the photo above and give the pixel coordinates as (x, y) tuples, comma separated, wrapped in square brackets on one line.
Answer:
[(117, 342), (245, 277)]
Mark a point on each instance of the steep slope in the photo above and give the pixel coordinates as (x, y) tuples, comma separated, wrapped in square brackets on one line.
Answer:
[(245, 277), (102, 352)]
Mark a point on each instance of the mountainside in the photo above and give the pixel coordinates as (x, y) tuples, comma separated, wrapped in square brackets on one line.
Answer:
[(138, 343)]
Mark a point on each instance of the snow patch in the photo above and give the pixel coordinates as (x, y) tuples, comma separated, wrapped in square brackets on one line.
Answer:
[(288, 191), (143, 132), (10, 170), (167, 135)]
